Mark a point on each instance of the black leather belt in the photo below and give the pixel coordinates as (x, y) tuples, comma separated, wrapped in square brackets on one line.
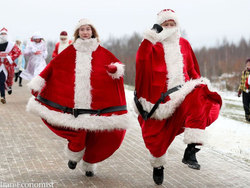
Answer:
[(146, 115), (77, 111)]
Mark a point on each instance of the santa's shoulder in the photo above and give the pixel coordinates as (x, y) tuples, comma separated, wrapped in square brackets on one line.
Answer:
[(184, 42), (104, 51), (69, 50), (66, 54)]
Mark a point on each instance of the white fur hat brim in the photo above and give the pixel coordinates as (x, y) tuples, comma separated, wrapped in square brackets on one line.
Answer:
[(165, 15), (83, 21)]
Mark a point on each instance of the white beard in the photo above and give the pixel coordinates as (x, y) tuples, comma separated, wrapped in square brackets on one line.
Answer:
[(171, 34), (3, 39), (64, 41)]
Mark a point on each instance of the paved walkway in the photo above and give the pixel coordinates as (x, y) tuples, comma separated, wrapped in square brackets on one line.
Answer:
[(31, 154)]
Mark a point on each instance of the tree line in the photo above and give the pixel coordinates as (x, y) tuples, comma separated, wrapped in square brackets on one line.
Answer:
[(221, 64)]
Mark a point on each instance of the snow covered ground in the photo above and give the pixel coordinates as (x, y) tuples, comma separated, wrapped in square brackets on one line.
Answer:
[(229, 134)]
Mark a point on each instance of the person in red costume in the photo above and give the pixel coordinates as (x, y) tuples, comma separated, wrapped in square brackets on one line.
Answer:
[(60, 46), (170, 94), (9, 52), (80, 97)]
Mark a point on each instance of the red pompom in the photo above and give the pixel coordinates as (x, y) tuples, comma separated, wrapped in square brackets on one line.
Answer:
[(111, 68)]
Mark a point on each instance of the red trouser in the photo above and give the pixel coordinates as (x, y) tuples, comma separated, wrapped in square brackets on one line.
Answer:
[(99, 145), (199, 109), (11, 74)]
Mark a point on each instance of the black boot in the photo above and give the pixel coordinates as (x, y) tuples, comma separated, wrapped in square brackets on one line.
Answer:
[(16, 76), (9, 90), (89, 173), (72, 164), (247, 117), (20, 82), (189, 157), (158, 175)]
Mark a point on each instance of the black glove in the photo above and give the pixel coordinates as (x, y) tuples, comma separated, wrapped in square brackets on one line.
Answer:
[(158, 28)]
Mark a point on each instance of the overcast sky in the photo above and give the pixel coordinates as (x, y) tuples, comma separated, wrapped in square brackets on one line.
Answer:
[(206, 22)]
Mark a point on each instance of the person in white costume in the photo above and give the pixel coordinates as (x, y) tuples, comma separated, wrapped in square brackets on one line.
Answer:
[(36, 50)]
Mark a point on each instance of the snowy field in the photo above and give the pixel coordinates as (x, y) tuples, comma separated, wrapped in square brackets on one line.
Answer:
[(229, 134)]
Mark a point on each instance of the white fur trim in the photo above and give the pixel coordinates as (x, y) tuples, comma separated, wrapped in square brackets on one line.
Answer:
[(167, 15), (74, 156), (86, 45), (167, 109), (84, 121), (89, 166), (62, 46), (36, 84), (151, 35), (83, 71), (83, 88), (81, 22), (9, 47), (120, 71), (196, 136), (157, 161), (9, 59), (174, 62), (154, 37), (63, 37)]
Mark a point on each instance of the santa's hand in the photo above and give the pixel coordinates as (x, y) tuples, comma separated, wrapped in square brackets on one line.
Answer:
[(111, 68), (158, 28)]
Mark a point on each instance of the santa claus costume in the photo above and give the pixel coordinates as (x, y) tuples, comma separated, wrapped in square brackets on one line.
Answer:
[(36, 51), (64, 43), (168, 81), (8, 53), (20, 61), (81, 98)]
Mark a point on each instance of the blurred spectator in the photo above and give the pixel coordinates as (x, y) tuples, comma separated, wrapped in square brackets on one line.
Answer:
[(244, 89)]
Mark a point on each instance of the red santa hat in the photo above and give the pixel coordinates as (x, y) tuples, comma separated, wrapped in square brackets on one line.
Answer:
[(4, 30), (63, 35), (165, 15)]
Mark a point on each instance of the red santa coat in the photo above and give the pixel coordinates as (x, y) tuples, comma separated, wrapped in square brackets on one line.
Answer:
[(77, 78), (161, 65), (12, 53)]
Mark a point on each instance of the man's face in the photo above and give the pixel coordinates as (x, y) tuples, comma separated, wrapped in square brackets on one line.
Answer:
[(168, 24)]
